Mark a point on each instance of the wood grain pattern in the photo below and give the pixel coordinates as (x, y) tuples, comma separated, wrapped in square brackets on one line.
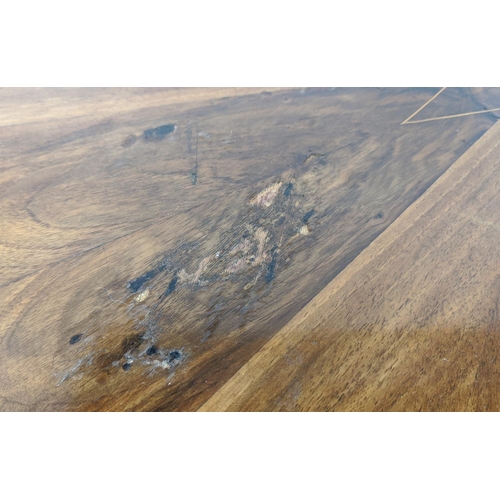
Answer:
[(68, 181), (147, 254), (411, 324)]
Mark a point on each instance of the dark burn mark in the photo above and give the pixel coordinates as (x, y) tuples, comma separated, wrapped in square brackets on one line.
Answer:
[(271, 267), (126, 367), (158, 133), (171, 286), (379, 215), (76, 338), (152, 351), (288, 189), (174, 356), (136, 284), (307, 216)]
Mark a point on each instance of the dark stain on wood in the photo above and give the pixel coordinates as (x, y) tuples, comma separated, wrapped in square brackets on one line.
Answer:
[(152, 350), (75, 338), (288, 189), (158, 133), (136, 284), (272, 266), (308, 216), (171, 286)]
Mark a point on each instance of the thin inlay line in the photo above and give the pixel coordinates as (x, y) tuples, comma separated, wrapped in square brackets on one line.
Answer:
[(452, 116), (422, 107)]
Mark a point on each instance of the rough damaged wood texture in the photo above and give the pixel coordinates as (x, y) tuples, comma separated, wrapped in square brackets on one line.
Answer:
[(152, 241), (412, 324)]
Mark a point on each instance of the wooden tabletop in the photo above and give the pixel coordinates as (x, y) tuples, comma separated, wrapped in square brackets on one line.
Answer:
[(249, 249)]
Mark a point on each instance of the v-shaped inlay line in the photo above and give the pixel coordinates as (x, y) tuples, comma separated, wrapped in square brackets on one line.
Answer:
[(408, 122)]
